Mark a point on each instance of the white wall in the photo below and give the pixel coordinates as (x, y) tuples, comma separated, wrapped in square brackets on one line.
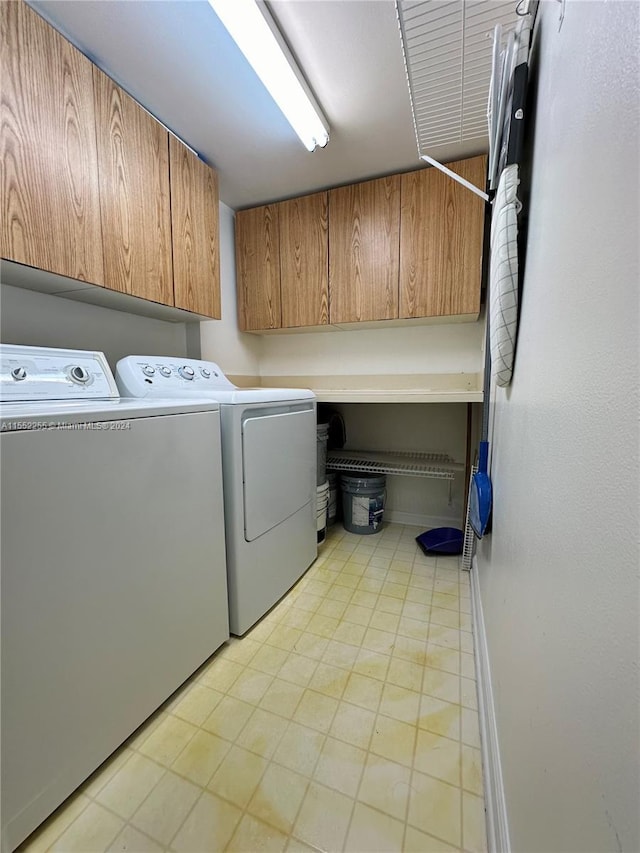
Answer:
[(559, 573), (220, 340), (37, 319), (448, 348)]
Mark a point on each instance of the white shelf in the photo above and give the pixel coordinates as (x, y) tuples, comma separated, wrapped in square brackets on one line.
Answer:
[(395, 396), (388, 388), (436, 466)]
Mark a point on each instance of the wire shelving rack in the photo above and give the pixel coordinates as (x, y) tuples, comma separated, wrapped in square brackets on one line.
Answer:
[(436, 466)]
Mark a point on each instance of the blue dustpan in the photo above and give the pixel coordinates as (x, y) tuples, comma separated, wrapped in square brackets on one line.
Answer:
[(480, 493), (441, 540)]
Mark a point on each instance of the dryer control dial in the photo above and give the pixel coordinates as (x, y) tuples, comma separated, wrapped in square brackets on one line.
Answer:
[(19, 373), (206, 373), (148, 370), (186, 372), (164, 370)]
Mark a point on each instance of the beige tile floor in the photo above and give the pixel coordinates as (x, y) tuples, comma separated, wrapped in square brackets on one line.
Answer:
[(345, 720)]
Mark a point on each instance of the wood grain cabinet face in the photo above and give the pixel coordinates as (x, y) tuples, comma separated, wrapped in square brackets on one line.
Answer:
[(48, 160), (364, 224), (258, 268), (133, 164), (441, 237), (304, 260), (194, 232)]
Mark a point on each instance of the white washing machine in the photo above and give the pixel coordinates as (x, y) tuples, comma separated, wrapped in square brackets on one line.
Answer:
[(269, 468), (112, 562)]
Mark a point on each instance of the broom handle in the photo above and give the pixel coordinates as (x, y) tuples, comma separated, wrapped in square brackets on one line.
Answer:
[(487, 380), (483, 456)]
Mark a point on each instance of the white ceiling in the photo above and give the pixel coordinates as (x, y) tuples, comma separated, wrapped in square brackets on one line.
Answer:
[(175, 57)]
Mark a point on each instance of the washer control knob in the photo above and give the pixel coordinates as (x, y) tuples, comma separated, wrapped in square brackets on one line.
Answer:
[(206, 373), (79, 374), (186, 372), (19, 373), (164, 370), (148, 370)]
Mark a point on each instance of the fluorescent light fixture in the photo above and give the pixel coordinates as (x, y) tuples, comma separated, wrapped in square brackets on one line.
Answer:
[(254, 31)]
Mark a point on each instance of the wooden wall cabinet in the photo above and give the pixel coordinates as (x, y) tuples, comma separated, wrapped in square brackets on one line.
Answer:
[(282, 264), (258, 268), (402, 247), (441, 234), (87, 190), (304, 260), (48, 159), (133, 163), (364, 225), (195, 229)]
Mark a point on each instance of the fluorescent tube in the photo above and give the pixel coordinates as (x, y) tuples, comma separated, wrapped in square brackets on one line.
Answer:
[(256, 35)]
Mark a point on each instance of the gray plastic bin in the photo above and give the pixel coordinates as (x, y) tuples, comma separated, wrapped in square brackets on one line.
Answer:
[(363, 498)]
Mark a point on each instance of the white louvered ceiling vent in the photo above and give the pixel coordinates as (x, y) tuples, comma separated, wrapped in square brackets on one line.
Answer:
[(447, 47)]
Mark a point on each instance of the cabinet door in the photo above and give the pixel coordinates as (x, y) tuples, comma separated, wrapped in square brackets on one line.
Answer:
[(133, 164), (194, 232), (364, 223), (304, 260), (48, 162), (258, 268), (441, 234)]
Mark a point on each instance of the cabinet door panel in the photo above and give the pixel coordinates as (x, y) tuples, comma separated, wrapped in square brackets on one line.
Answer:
[(364, 224), (194, 232), (133, 160), (304, 260), (258, 268), (441, 235), (48, 160)]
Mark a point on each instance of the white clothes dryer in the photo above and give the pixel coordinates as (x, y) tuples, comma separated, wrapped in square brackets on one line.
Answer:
[(269, 475)]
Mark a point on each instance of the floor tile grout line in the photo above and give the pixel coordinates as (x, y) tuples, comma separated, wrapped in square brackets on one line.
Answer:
[(61, 808), (127, 821), (82, 788), (146, 834), (246, 811), (166, 771), (411, 772), (186, 818), (67, 828)]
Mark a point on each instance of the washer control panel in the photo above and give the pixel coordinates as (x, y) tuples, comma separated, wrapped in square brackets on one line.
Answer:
[(168, 377), (44, 373)]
